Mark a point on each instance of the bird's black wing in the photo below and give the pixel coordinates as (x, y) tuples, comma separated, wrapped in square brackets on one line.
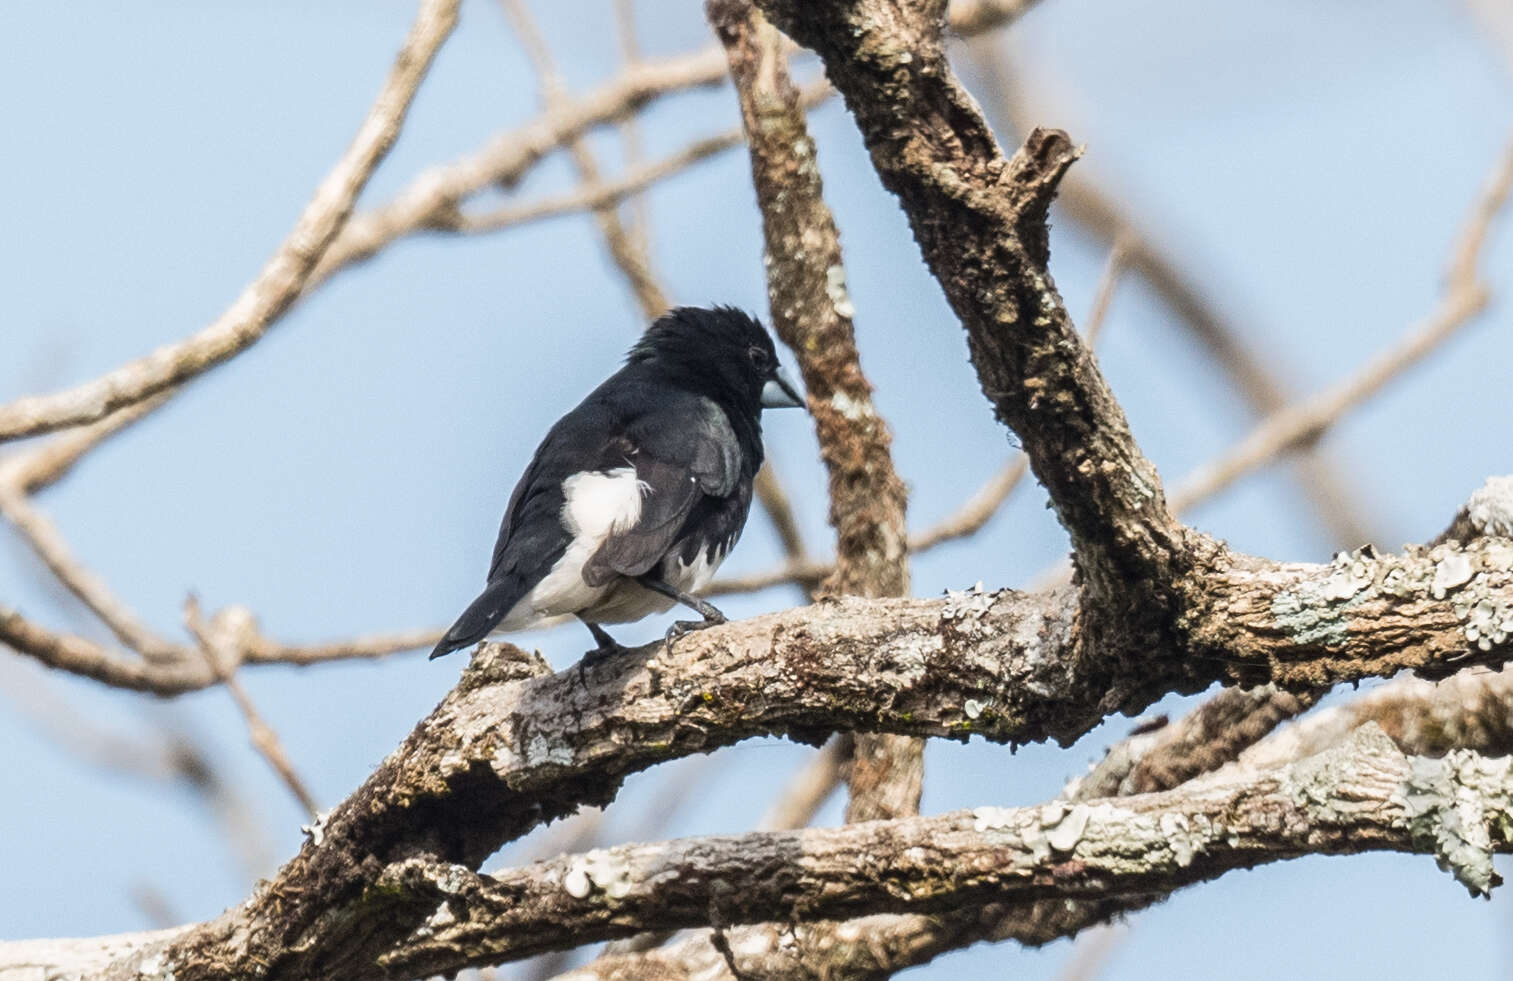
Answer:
[(531, 540), (683, 452)]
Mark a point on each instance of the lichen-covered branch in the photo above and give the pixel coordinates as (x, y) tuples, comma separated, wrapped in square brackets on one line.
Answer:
[(1362, 795), (502, 755)]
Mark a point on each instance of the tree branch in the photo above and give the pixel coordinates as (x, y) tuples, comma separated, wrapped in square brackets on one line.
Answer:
[(280, 281), (980, 223), (811, 312), (1363, 795)]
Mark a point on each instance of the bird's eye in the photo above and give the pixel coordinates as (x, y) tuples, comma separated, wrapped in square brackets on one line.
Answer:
[(758, 357)]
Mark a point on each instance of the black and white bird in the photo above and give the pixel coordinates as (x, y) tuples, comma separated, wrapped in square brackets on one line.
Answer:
[(635, 496)]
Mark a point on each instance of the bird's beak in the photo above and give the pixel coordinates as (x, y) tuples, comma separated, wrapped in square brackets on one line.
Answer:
[(780, 393)]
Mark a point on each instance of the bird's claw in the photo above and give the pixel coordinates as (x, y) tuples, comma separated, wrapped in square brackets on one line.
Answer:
[(682, 628)]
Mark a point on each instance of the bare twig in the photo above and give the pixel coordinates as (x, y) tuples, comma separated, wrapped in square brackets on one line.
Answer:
[(434, 200), (33, 470), (810, 787), (630, 130), (623, 247), (592, 196), (1464, 297), (219, 642), (280, 281), (44, 539)]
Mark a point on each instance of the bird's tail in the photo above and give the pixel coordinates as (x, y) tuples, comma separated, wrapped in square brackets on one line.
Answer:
[(481, 616)]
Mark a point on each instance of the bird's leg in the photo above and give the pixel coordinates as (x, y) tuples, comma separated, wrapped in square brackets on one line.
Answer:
[(608, 646), (712, 617)]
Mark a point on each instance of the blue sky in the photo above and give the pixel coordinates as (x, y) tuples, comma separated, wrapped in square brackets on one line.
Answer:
[(1309, 162)]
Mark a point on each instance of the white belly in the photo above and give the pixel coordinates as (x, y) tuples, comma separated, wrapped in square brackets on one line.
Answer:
[(596, 505)]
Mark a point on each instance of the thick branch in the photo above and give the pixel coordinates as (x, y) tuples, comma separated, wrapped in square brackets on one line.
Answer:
[(811, 311), (980, 223), (499, 757), (1364, 795)]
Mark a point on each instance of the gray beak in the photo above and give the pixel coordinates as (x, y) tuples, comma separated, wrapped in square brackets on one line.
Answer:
[(780, 393)]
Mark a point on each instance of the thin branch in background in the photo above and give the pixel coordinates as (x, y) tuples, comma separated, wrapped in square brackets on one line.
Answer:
[(809, 787), (166, 754), (631, 259), (433, 201), (1495, 18), (1464, 297), (1092, 951), (155, 906), (280, 281), (33, 470), (219, 644), (639, 225), (44, 539), (590, 196)]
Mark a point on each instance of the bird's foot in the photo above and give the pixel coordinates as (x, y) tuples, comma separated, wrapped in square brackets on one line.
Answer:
[(596, 656), (682, 628)]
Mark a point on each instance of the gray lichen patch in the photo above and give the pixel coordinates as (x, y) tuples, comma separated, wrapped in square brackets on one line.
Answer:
[(1482, 603), (1458, 808), (1474, 578), (1452, 571), (1317, 610), (1322, 785)]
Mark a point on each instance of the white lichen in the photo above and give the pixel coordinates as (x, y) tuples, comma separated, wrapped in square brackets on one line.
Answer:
[(1456, 806), (1066, 832), (854, 409), (992, 819), (835, 288), (542, 750), (1490, 508), (1451, 572), (316, 830), (606, 871), (1180, 838), (1481, 604)]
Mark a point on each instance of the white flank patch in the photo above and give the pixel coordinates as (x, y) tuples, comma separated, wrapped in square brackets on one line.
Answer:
[(599, 504), (595, 506), (693, 576)]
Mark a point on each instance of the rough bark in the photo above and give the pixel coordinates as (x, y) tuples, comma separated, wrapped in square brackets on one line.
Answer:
[(502, 755), (812, 314)]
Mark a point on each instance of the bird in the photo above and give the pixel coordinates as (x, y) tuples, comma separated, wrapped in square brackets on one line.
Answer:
[(636, 495)]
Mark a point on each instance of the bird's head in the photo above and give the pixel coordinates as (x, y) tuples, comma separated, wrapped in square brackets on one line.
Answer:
[(721, 352)]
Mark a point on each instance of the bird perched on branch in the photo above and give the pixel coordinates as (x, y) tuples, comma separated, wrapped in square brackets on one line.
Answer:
[(636, 496)]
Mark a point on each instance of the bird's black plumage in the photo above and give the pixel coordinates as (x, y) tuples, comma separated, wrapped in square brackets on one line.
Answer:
[(637, 494)]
